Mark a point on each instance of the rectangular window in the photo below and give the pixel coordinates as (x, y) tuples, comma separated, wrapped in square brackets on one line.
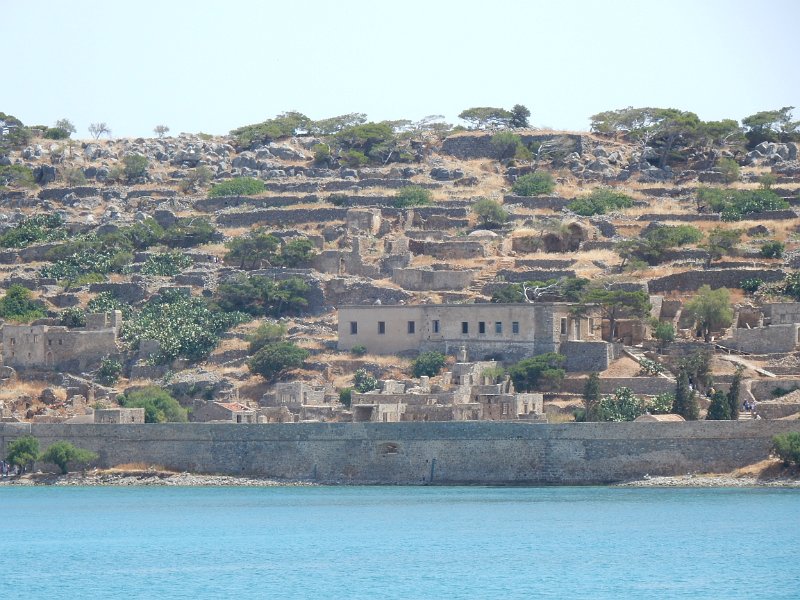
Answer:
[(13, 341), (464, 327), (381, 327), (436, 326), (515, 327), (481, 327), (498, 327), (591, 326), (505, 408), (412, 327), (353, 327), (563, 326), (49, 342)]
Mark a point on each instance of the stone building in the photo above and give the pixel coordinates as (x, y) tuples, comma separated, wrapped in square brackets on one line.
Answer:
[(118, 416), (775, 328), (505, 332), (227, 412), (62, 348)]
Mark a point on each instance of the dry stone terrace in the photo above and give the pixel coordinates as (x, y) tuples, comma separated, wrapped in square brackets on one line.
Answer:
[(436, 266)]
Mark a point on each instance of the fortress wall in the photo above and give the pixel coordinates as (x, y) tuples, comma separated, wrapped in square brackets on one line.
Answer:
[(415, 453)]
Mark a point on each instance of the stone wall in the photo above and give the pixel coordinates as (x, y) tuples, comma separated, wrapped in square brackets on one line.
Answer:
[(716, 278), (470, 146), (432, 280), (423, 453)]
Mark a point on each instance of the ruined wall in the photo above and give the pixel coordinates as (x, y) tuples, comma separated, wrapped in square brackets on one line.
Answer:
[(432, 280), (650, 386), (421, 453), (716, 278), (765, 340)]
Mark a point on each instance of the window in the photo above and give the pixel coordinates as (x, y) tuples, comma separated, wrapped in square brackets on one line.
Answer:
[(49, 342), (464, 327), (436, 326), (381, 327), (564, 326), (498, 327), (591, 326), (412, 327), (60, 342), (353, 327), (505, 408), (481, 327), (515, 327), (13, 341)]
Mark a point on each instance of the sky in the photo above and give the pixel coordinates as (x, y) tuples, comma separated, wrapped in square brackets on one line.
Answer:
[(212, 66)]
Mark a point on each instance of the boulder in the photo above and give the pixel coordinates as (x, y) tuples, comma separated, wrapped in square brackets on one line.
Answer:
[(48, 396), (286, 152), (44, 174)]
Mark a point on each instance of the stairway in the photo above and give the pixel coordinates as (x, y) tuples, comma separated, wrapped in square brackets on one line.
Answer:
[(489, 273)]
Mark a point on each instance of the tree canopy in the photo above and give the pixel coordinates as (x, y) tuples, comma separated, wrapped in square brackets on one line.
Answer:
[(711, 310)]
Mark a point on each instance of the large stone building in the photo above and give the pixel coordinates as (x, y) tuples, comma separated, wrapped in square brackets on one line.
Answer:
[(58, 347), (505, 332)]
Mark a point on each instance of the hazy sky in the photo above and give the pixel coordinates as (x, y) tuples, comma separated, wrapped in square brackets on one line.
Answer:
[(212, 66)]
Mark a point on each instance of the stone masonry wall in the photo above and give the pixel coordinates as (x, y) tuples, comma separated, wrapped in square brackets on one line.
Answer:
[(423, 453), (716, 278)]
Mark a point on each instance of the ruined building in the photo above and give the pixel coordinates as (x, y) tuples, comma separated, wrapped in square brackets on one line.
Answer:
[(507, 332), (62, 348)]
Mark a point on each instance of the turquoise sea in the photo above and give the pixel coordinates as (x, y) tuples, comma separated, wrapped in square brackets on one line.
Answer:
[(398, 542)]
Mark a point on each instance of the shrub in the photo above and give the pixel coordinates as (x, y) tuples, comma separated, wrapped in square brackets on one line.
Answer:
[(74, 176), (661, 404), (74, 316), (772, 249), (264, 297), (491, 214), (56, 133), (39, 228), (650, 368), (358, 350), (18, 305), (158, 404), (135, 166), (506, 144), (729, 169), (322, 154), (787, 447), (195, 178), (534, 184), (267, 333), (251, 250), (183, 326), (354, 159), (238, 186), (275, 358), (188, 232), (543, 369), (109, 371), (622, 406), (719, 409), (345, 396), (428, 364), (733, 205), (79, 258), (412, 195), (664, 333), (600, 201), (364, 382), (62, 453), (297, 253), (17, 175), (166, 264), (106, 302)]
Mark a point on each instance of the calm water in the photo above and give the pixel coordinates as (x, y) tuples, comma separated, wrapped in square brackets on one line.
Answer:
[(397, 542)]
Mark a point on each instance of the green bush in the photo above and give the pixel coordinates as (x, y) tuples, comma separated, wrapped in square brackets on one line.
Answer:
[(354, 159), (298, 252), (491, 213), (18, 305), (345, 396), (17, 175), (81, 257), (322, 154), (544, 369), (661, 404), (74, 176), (261, 296), (158, 404), (56, 133), (184, 326), (734, 205), (195, 178), (787, 447), (188, 232), (238, 186), (63, 453), (107, 302), (428, 364), (251, 250), (599, 202), (729, 169), (166, 264), (284, 125), (135, 166), (534, 184), (275, 358), (109, 371), (74, 316), (412, 195), (39, 228), (267, 333), (719, 409), (772, 249), (624, 405), (358, 350), (506, 144), (363, 382)]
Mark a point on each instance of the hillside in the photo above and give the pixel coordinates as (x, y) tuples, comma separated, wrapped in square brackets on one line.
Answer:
[(119, 231)]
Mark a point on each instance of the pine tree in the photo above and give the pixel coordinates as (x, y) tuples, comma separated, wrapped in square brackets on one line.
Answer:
[(733, 395), (685, 403), (718, 410), (591, 397)]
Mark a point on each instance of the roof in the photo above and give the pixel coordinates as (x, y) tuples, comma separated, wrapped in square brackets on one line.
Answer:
[(234, 406)]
